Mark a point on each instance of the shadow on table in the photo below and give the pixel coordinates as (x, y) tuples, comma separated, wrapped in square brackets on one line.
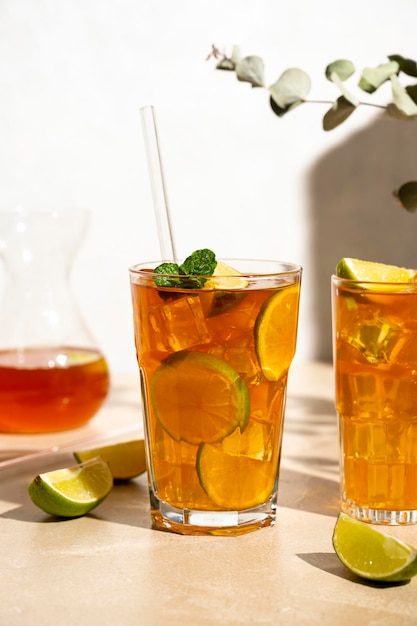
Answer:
[(303, 492), (128, 504), (329, 562)]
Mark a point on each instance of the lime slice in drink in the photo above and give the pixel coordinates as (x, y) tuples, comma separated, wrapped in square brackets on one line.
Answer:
[(371, 553), (72, 491), (227, 289), (369, 271), (198, 397), (232, 480), (276, 332), (126, 460)]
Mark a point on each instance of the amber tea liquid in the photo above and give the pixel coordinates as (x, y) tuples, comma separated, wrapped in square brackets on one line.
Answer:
[(375, 335), (213, 417), (50, 389)]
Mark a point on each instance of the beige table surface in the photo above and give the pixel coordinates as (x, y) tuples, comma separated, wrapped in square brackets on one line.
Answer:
[(110, 567)]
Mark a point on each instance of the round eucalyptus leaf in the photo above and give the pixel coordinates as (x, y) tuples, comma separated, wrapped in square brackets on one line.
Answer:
[(408, 66), (251, 70), (226, 64), (291, 88), (342, 68), (372, 77), (401, 98), (282, 111), (407, 195), (394, 112), (339, 112)]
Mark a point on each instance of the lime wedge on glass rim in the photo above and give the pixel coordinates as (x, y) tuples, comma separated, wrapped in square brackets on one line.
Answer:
[(370, 271), (72, 491), (126, 459), (372, 553)]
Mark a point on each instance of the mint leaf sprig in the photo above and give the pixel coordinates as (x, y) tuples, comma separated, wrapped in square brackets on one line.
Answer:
[(291, 89), (188, 275)]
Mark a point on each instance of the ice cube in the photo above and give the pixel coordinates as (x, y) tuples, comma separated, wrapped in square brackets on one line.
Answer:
[(378, 339), (179, 325)]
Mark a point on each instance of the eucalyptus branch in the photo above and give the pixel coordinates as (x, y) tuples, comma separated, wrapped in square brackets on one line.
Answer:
[(293, 86)]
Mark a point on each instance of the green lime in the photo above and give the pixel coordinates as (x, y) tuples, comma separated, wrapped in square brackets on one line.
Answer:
[(126, 460), (370, 271), (371, 553), (276, 332), (198, 397), (72, 491)]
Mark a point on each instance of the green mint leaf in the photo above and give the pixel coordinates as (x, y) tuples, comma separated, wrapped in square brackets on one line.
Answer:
[(199, 263), (169, 275), (188, 275)]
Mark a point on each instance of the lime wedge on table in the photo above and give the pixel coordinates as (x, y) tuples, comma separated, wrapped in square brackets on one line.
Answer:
[(72, 491), (374, 272), (276, 332), (126, 459), (371, 553), (199, 397)]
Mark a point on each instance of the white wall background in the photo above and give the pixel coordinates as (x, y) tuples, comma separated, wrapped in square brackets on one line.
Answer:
[(73, 75)]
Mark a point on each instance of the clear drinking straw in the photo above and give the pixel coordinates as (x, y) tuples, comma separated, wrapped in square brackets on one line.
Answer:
[(158, 185)]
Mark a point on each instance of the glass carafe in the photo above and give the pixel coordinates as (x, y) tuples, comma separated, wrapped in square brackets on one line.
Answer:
[(52, 375)]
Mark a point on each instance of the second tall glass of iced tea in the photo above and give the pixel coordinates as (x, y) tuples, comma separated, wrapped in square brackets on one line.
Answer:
[(375, 356), (214, 362)]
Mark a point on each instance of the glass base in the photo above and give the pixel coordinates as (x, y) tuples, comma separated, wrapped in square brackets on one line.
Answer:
[(380, 516), (223, 523)]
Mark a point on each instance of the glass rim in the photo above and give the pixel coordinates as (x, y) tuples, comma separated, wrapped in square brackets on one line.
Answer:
[(360, 281), (283, 268)]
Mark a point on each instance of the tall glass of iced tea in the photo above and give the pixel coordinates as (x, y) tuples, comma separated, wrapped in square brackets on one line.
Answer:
[(375, 357), (214, 357)]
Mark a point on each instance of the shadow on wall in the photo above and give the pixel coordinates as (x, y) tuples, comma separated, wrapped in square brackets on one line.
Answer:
[(353, 212)]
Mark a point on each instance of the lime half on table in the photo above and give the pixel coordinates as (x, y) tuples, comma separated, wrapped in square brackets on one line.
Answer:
[(72, 491), (371, 553)]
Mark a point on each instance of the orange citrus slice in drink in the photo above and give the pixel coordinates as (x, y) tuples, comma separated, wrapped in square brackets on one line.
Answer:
[(276, 332), (234, 482), (198, 397)]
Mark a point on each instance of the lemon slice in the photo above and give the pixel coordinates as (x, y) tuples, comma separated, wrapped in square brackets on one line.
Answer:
[(72, 491), (371, 553), (198, 397), (126, 460), (276, 332), (370, 271), (233, 481), (225, 277)]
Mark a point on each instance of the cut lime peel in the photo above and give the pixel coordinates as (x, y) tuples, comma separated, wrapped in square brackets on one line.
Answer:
[(397, 560), (374, 272), (226, 277), (54, 492), (175, 372), (126, 459)]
